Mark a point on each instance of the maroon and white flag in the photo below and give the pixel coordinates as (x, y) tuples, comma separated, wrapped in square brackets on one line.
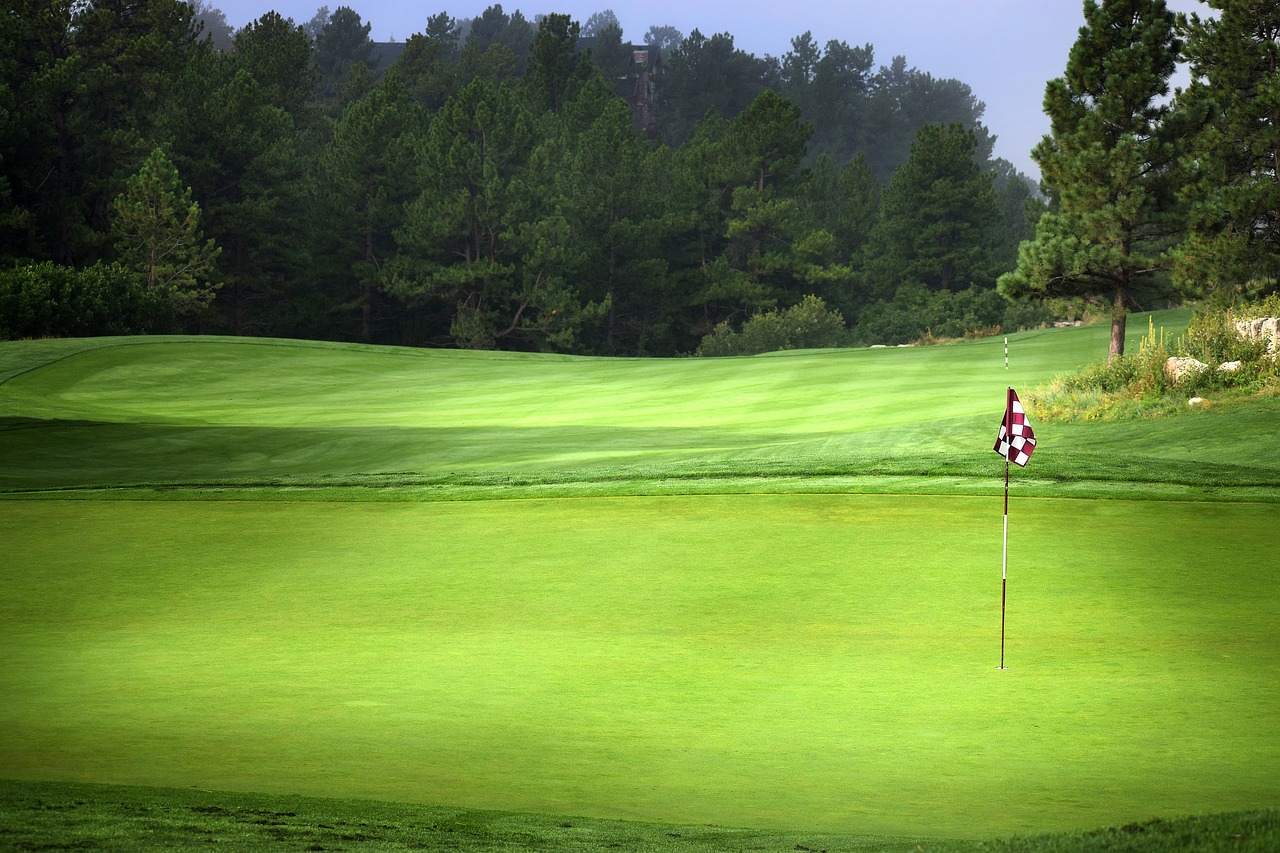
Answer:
[(1016, 440)]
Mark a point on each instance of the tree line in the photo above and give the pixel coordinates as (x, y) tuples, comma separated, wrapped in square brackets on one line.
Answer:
[(490, 187), (1158, 198), (504, 182)]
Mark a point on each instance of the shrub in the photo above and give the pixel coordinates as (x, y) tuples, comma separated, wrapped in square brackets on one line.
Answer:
[(43, 300), (1213, 338), (915, 314), (806, 325), (1027, 314), (1137, 385)]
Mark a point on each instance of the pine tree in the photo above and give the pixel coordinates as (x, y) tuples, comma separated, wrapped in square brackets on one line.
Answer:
[(457, 247), (1110, 162), (1234, 191), (556, 69), (937, 217), (157, 229), (342, 44)]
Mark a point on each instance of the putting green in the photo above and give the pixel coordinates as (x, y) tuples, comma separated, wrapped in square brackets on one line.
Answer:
[(825, 662)]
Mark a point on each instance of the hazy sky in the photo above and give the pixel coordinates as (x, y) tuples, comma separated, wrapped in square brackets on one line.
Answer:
[(1004, 49)]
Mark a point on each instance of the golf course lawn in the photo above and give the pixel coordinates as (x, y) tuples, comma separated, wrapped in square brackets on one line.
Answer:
[(816, 661), (746, 592)]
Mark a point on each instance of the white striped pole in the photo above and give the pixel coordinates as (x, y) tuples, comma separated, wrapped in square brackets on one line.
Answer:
[(1004, 560), (1004, 565)]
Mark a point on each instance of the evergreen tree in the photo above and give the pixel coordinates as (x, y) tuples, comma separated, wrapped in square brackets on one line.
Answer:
[(362, 191), (840, 101), (843, 206), (456, 248), (1021, 207), (799, 67), (766, 235), (702, 177), (706, 75), (213, 25), (487, 29), (132, 52), (342, 43), (428, 70), (598, 22), (277, 53), (157, 236), (442, 29), (315, 25), (604, 187), (556, 69), (771, 137), (664, 37), (859, 207), (1233, 244), (937, 218), (240, 154), (1109, 162), (901, 100), (612, 57), (40, 85)]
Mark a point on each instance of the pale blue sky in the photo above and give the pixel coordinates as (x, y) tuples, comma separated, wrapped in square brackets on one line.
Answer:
[(1004, 49)]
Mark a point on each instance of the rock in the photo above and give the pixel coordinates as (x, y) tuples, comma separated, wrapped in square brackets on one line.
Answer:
[(1229, 366), (1176, 367), (1196, 401), (1262, 329)]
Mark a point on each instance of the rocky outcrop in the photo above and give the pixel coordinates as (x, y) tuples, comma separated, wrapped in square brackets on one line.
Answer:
[(1266, 329)]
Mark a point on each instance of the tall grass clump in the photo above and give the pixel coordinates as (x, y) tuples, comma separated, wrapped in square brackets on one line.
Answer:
[(1144, 385)]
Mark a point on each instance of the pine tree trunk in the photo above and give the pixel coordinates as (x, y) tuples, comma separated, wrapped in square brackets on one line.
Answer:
[(1118, 317)]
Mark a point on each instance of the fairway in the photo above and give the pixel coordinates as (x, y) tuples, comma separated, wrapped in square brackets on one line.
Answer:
[(751, 592), (115, 412), (816, 661)]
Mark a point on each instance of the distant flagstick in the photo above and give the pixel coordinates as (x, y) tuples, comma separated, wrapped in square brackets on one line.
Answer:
[(1015, 443)]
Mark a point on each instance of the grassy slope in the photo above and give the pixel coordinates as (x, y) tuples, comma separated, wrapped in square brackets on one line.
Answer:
[(286, 413), (772, 696)]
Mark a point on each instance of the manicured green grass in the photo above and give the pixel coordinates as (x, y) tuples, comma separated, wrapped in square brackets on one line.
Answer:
[(825, 662), (44, 815), (218, 412), (747, 592)]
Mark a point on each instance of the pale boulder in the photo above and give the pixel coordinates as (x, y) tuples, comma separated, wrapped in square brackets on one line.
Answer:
[(1176, 367)]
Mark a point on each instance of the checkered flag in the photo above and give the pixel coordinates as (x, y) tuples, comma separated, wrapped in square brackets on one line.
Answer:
[(1016, 440)]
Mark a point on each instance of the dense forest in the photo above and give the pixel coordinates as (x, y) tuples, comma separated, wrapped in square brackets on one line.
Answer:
[(544, 184)]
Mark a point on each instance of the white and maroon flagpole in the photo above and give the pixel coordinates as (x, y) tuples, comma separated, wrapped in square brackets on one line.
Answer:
[(1015, 443), (1004, 560)]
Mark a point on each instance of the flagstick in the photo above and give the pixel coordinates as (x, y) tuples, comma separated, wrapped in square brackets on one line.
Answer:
[(1004, 564), (1004, 561)]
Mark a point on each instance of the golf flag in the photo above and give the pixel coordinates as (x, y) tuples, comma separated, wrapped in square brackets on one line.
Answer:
[(1016, 440)]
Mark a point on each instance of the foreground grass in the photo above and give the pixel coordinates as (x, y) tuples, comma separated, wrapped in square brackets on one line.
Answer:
[(822, 661), (751, 592), (36, 816)]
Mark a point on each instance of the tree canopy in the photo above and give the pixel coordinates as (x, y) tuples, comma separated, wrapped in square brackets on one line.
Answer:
[(1109, 160), (547, 184)]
